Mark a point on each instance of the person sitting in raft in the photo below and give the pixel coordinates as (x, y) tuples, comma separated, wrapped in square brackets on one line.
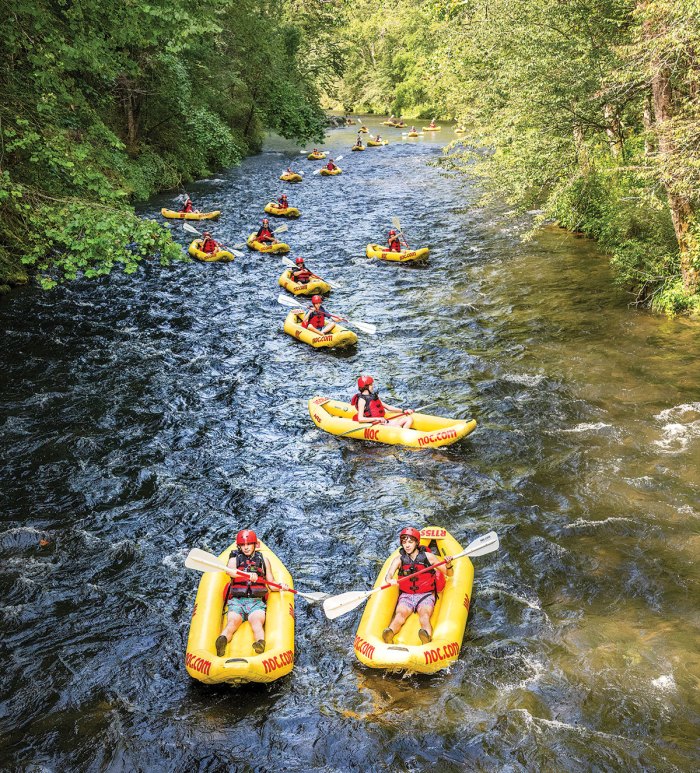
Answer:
[(394, 241), (282, 202), (417, 594), (315, 318), (187, 206), (378, 138), (371, 409), (330, 166), (358, 141), (432, 124), (245, 598), (208, 244), (264, 233), (300, 273)]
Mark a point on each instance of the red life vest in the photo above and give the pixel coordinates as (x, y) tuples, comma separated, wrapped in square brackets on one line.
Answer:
[(240, 588), (428, 582), (374, 407), (264, 235), (317, 318), (187, 207), (302, 275), (282, 204), (331, 166), (394, 245), (210, 246)]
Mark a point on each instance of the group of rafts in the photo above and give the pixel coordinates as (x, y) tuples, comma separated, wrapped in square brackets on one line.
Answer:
[(406, 652)]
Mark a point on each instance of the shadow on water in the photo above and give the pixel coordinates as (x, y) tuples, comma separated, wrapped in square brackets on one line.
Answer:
[(143, 416)]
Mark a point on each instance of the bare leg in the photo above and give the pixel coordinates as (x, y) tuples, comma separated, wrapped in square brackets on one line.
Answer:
[(257, 621), (234, 620), (424, 613)]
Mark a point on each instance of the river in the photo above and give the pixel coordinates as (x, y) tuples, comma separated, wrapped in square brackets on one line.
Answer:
[(142, 416)]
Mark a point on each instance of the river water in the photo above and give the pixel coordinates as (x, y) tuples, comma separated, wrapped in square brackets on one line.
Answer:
[(147, 415)]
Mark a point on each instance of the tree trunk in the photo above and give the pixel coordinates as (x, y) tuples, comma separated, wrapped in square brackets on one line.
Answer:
[(613, 130), (648, 122), (582, 158)]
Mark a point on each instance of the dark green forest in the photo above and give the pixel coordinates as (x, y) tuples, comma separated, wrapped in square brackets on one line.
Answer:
[(588, 110)]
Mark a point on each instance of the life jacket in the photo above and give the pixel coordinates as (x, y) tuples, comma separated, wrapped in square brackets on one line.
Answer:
[(331, 166), (187, 207), (394, 245), (282, 204), (241, 588), (210, 246), (301, 275), (428, 582), (264, 235), (317, 318), (374, 407)]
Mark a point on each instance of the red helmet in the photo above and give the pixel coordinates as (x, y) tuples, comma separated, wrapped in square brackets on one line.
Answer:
[(316, 299), (246, 537), (299, 261), (364, 381), (392, 232), (409, 531), (206, 233)]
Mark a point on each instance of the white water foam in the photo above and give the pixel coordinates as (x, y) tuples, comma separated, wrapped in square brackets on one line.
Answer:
[(664, 682), (581, 522), (524, 378), (682, 425), (584, 427)]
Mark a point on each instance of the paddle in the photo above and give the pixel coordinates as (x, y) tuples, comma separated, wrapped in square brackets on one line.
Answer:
[(397, 224), (318, 171), (335, 606), (292, 264), (232, 250), (363, 424), (279, 230), (208, 562), (365, 327)]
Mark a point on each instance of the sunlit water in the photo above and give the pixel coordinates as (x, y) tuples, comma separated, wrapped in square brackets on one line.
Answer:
[(144, 416)]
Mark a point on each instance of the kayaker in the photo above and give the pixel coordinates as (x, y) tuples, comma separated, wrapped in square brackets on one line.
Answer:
[(300, 273), (282, 202), (378, 138), (330, 166), (187, 206), (358, 142), (208, 244), (315, 318), (394, 241), (245, 598), (420, 592), (264, 233), (370, 409), (432, 124)]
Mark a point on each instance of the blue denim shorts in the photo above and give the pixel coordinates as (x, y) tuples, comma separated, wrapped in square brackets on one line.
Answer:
[(245, 606)]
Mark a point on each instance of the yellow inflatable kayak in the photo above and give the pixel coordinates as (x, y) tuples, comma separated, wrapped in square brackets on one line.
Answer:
[(170, 213), (364, 129), (331, 172), (427, 431), (460, 131), (432, 128), (207, 257), (338, 337), (316, 156), (374, 144), (449, 619), (277, 249), (377, 251), (388, 123), (276, 211), (291, 177), (240, 664), (357, 147), (414, 134), (315, 285)]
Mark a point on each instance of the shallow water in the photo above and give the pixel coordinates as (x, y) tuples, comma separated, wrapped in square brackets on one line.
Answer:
[(143, 416)]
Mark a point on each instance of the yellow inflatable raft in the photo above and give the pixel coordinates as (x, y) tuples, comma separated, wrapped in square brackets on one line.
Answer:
[(240, 664), (449, 619), (414, 134), (432, 128), (315, 285), (377, 251), (388, 123), (357, 147), (291, 177), (331, 172), (316, 156), (170, 213), (207, 257), (276, 211), (364, 129), (277, 249), (427, 431), (460, 131), (338, 337), (375, 144)]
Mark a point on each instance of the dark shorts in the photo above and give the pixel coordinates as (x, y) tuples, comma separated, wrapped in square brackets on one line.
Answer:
[(416, 601)]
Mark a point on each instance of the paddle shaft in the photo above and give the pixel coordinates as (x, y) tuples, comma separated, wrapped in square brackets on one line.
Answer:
[(372, 423)]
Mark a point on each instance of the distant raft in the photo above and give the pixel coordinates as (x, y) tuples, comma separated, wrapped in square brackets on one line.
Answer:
[(449, 618), (364, 129), (291, 177), (375, 144), (277, 211), (316, 156), (432, 128), (195, 250), (240, 664), (427, 431), (277, 249), (338, 337), (315, 285), (173, 215), (413, 134), (331, 172), (357, 147), (377, 251)]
